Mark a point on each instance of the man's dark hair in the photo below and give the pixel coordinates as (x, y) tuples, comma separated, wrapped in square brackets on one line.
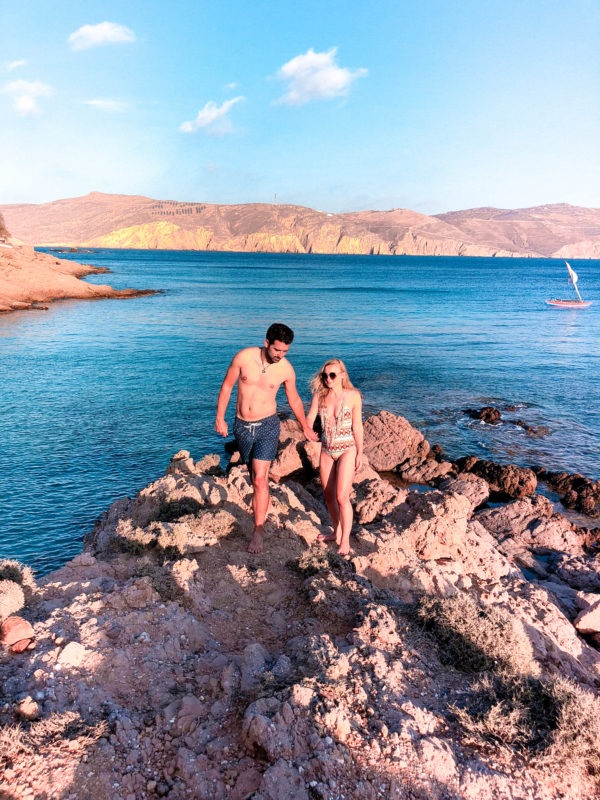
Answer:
[(280, 332)]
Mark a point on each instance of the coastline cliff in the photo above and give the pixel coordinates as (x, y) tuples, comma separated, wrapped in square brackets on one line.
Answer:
[(455, 655), (120, 221)]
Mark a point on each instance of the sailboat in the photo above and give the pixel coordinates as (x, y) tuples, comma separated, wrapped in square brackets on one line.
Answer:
[(581, 303)]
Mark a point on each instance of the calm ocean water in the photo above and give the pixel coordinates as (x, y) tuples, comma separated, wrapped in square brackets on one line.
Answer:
[(97, 396)]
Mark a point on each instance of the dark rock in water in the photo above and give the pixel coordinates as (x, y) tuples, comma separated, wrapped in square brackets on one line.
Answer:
[(488, 414), (578, 492), (510, 408), (505, 481), (536, 431)]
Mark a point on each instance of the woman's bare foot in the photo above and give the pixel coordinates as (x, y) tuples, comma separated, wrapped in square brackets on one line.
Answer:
[(256, 543), (344, 547)]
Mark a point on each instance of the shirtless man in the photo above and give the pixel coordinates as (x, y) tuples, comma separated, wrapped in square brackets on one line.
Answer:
[(259, 372)]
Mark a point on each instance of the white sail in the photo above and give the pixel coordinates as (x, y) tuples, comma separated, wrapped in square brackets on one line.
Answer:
[(572, 274)]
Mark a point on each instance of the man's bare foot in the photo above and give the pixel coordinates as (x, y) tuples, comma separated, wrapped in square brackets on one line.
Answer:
[(326, 537), (256, 543)]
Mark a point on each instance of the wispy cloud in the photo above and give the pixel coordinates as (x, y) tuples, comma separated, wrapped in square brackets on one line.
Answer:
[(316, 76), (26, 93), (10, 65), (102, 33), (106, 105), (230, 86), (212, 118)]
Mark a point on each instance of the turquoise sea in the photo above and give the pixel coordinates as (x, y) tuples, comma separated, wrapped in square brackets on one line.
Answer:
[(96, 396)]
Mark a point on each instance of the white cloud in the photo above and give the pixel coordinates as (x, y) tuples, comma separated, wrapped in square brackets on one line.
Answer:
[(230, 86), (26, 93), (10, 65), (316, 76), (102, 33), (213, 118), (106, 105)]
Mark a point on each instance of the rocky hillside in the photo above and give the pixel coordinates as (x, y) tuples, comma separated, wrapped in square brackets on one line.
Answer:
[(102, 220), (454, 656)]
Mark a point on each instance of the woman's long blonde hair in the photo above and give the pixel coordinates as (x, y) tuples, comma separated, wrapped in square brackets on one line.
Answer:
[(318, 387)]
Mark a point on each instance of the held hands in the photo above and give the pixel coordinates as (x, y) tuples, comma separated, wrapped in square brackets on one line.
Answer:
[(311, 435), (221, 427)]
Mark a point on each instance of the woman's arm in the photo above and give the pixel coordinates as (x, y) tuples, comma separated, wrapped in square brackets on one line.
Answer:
[(357, 428), (313, 411)]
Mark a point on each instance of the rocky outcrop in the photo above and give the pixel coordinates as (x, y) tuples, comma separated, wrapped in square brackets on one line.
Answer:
[(577, 492), (506, 481), (170, 662), (29, 279)]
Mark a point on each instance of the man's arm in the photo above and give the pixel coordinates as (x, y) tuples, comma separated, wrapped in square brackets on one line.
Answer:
[(296, 405), (231, 376)]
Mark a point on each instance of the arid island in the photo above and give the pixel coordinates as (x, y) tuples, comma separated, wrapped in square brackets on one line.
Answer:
[(30, 280), (454, 656)]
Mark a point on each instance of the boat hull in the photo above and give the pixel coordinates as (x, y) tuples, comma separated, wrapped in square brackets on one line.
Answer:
[(569, 303)]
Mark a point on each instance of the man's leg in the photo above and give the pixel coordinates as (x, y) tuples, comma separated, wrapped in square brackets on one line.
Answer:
[(260, 502)]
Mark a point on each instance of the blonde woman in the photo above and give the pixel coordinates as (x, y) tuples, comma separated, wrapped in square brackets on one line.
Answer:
[(339, 405)]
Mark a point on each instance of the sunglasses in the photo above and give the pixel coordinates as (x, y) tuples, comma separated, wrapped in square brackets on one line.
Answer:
[(326, 375)]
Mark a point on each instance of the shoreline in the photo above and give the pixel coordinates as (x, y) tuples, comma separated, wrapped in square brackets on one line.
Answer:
[(30, 279)]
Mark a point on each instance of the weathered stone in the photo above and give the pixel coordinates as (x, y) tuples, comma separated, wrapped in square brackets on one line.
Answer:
[(506, 481), (390, 440)]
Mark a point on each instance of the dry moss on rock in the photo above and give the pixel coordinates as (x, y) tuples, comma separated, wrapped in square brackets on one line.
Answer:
[(476, 638), (11, 570), (552, 721)]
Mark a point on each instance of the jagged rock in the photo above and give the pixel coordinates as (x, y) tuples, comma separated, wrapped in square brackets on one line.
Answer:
[(506, 482), (425, 472), (280, 781), (183, 715), (475, 489), (288, 460), (375, 498), (578, 492), (512, 519), (72, 655), (580, 572), (530, 524), (181, 463), (28, 709), (488, 414), (265, 730), (254, 662), (588, 621), (390, 440)]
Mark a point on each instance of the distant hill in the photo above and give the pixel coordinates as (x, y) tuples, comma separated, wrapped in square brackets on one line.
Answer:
[(131, 221)]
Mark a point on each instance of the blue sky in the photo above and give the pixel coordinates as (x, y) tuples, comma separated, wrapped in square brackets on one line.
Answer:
[(340, 106)]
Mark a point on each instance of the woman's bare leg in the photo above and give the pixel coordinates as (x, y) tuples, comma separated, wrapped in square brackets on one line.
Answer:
[(344, 475), (327, 469)]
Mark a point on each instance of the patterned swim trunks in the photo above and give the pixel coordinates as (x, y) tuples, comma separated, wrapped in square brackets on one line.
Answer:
[(257, 440)]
